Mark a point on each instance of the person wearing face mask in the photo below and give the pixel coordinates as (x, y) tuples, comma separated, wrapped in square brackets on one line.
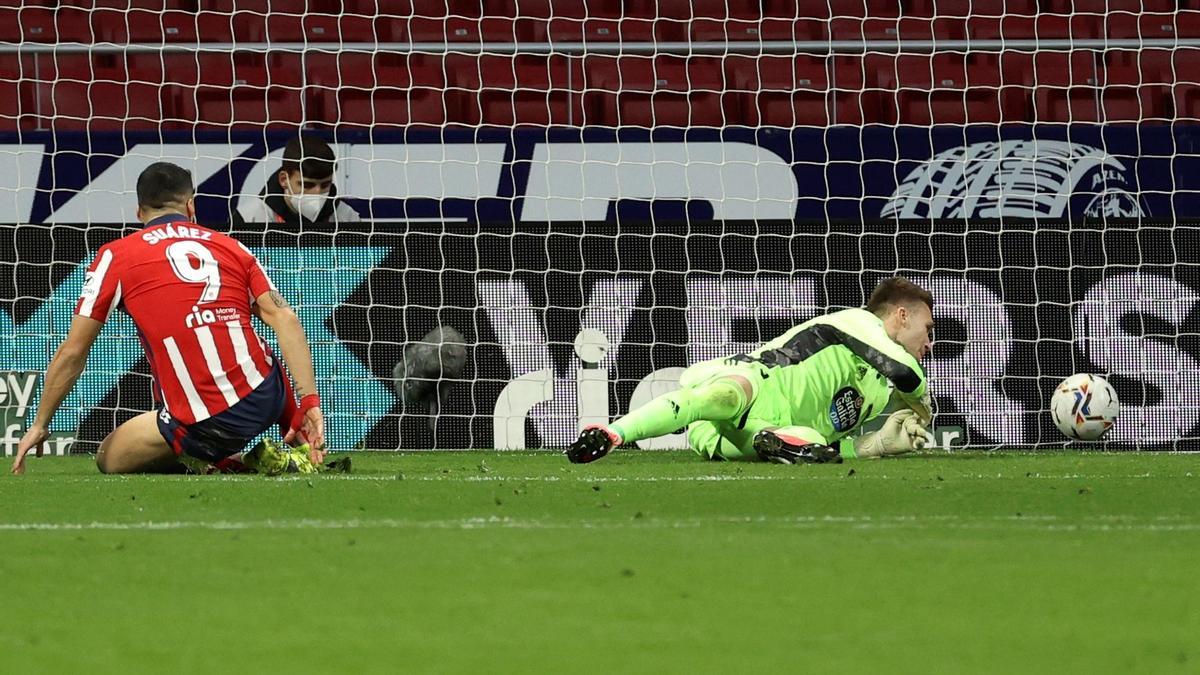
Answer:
[(804, 396), (301, 192)]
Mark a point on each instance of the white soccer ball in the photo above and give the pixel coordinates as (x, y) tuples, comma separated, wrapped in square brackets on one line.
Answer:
[(1084, 406)]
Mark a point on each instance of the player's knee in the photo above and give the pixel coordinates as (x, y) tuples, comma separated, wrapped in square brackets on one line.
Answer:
[(103, 462)]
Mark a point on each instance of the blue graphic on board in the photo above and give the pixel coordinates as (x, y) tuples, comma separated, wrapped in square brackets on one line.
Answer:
[(561, 174), (315, 280)]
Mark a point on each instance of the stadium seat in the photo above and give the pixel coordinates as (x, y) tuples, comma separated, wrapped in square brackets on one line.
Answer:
[(715, 30), (1134, 94), (972, 8), (508, 91), (453, 29), (154, 5), (653, 91), (686, 10), (546, 9), (906, 28), (823, 9), (1157, 26), (322, 27), (42, 24), (238, 91), (86, 93), (856, 96), (603, 30), (1106, 6), (1015, 27), (376, 90), (780, 91), (239, 27), (945, 89), (1064, 85), (1186, 103), (122, 27), (264, 7), (14, 110)]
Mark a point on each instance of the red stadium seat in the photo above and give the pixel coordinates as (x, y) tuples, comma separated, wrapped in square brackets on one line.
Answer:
[(370, 90), (263, 7), (946, 89), (1064, 85), (694, 9), (780, 91), (1158, 26), (546, 9), (453, 29), (14, 109), (1133, 94), (148, 27), (238, 91), (42, 24), (1106, 6), (715, 30), (507, 91), (856, 96), (155, 5), (654, 91), (85, 93), (907, 28), (1186, 103), (972, 8), (1013, 27), (217, 27), (322, 27), (604, 30), (830, 8)]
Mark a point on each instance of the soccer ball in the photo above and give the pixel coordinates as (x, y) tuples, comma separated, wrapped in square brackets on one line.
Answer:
[(1084, 406)]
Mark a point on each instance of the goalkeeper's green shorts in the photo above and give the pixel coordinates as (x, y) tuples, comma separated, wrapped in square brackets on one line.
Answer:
[(734, 440)]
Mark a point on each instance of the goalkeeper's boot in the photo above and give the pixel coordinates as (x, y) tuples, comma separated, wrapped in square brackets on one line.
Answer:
[(274, 459), (780, 448), (594, 442)]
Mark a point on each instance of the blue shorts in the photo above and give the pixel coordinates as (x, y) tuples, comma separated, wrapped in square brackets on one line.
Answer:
[(227, 432)]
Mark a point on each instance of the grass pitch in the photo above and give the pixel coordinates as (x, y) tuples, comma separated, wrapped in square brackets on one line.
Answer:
[(650, 562)]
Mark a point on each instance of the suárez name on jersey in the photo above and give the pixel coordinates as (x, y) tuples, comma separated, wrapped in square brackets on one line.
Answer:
[(171, 232)]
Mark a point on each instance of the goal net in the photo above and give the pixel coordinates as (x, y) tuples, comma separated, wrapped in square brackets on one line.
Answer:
[(597, 194)]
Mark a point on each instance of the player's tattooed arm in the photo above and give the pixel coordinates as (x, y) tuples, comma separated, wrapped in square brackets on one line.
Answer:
[(279, 300)]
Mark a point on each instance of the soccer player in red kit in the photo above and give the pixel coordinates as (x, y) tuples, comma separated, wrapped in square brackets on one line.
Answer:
[(190, 292)]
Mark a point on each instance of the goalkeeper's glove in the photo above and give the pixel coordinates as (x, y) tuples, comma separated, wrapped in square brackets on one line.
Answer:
[(902, 432)]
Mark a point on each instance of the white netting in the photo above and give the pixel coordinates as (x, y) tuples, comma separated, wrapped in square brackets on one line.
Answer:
[(627, 112)]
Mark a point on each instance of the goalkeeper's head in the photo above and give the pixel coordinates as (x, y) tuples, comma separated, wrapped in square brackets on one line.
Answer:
[(164, 188), (907, 313)]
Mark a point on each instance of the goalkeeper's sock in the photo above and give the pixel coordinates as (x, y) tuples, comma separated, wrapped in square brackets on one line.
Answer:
[(714, 401)]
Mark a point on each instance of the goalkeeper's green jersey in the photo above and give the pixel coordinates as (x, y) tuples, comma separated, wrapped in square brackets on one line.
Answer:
[(832, 374)]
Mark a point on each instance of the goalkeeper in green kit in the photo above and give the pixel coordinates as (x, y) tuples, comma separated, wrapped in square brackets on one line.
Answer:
[(803, 396)]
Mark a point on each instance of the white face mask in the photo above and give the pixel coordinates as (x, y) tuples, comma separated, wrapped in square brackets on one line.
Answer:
[(307, 205)]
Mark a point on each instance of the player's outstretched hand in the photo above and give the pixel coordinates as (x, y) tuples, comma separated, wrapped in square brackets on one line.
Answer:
[(309, 428), (34, 438)]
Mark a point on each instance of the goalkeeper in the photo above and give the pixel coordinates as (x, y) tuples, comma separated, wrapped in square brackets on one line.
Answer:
[(802, 396)]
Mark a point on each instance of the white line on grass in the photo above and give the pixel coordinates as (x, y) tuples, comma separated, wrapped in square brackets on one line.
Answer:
[(1039, 523), (798, 475)]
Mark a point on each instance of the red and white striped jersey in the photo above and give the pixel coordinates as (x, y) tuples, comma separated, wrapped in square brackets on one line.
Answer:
[(189, 290)]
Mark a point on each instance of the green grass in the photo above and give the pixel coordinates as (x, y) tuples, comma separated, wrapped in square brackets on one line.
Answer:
[(651, 562)]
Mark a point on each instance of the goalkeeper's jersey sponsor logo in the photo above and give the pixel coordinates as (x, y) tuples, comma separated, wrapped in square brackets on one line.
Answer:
[(846, 409), (1020, 178)]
